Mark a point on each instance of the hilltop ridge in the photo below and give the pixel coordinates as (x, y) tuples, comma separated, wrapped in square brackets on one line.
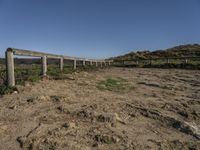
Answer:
[(177, 51)]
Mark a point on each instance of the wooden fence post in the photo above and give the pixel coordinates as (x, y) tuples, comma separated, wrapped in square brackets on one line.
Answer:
[(61, 64), (74, 64), (10, 68), (44, 65)]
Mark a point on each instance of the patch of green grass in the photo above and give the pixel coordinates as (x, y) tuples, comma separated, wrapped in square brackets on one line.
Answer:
[(114, 84), (4, 89), (32, 73), (27, 74)]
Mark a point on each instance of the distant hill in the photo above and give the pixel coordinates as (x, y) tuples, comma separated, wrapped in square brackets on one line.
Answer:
[(178, 51)]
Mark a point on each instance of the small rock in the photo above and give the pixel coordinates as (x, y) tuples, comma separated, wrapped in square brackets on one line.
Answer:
[(183, 113), (15, 92), (13, 107), (106, 139), (21, 140), (95, 145), (109, 117), (55, 98), (66, 125), (70, 77), (30, 100), (69, 125)]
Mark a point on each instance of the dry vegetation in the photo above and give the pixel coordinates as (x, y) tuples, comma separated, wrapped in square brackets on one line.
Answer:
[(117, 108), (178, 51)]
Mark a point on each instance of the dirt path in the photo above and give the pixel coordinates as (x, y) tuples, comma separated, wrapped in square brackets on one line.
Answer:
[(158, 109)]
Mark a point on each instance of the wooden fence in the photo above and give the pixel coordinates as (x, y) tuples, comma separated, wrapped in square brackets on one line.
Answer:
[(10, 52)]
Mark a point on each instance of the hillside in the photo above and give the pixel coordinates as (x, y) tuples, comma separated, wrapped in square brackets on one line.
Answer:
[(178, 51)]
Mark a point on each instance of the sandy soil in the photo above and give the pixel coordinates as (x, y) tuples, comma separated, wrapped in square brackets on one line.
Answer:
[(160, 111)]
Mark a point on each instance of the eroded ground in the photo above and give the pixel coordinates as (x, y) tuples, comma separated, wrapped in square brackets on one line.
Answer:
[(154, 109)]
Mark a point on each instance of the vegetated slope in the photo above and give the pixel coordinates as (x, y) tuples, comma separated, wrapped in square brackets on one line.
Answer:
[(178, 51)]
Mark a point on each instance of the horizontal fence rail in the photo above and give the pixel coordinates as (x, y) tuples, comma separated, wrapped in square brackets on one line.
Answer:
[(10, 52)]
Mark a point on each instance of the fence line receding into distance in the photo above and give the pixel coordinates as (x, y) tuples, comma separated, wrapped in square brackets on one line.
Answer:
[(10, 52)]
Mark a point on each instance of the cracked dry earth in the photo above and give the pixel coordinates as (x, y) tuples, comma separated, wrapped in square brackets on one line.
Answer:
[(160, 111)]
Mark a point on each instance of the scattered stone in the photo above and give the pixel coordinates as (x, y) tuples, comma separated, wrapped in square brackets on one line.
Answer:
[(69, 125), (15, 92), (66, 125), (13, 107), (187, 128), (69, 76), (55, 98), (106, 139), (21, 140), (85, 114), (30, 100), (60, 108), (183, 113), (95, 145), (110, 117), (43, 98)]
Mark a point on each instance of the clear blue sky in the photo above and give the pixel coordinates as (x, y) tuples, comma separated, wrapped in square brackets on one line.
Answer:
[(98, 28)]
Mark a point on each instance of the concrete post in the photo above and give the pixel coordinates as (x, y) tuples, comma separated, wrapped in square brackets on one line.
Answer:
[(74, 64), (44, 65), (83, 62), (137, 62), (10, 68), (150, 62), (101, 64), (90, 63), (186, 60), (61, 64), (96, 64), (109, 63), (168, 60)]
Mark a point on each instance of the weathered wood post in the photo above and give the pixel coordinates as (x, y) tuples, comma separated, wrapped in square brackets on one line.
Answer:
[(74, 64), (44, 65), (61, 64), (10, 67)]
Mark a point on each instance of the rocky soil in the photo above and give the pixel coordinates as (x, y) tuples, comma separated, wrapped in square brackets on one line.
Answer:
[(159, 109)]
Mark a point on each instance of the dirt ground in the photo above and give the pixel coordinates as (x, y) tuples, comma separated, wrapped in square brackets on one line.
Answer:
[(160, 110)]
